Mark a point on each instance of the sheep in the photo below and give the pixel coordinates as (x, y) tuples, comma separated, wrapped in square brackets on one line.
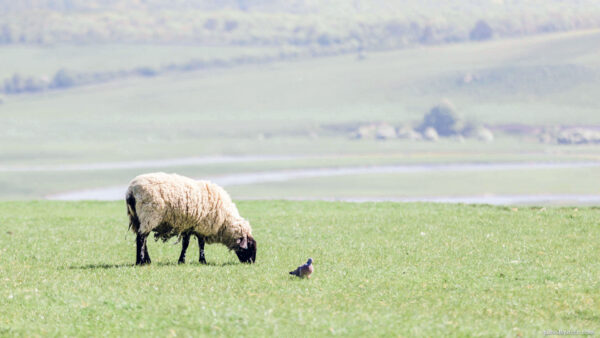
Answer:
[(172, 205)]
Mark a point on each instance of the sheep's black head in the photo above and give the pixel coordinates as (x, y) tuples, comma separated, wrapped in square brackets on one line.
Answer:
[(246, 249)]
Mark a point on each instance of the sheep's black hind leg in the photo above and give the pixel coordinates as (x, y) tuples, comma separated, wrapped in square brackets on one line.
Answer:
[(201, 245), (184, 246), (142, 256), (146, 255)]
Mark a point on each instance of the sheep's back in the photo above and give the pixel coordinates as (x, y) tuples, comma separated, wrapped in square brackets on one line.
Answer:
[(181, 203)]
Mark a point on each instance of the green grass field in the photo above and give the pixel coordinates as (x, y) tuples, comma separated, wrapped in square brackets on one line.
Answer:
[(382, 269)]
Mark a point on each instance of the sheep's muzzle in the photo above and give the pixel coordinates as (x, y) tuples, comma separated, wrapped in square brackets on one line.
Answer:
[(248, 254)]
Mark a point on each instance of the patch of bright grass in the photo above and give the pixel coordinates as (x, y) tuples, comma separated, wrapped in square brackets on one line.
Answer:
[(380, 269)]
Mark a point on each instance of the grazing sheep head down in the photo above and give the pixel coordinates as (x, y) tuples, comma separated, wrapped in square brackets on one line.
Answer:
[(245, 249), (172, 205)]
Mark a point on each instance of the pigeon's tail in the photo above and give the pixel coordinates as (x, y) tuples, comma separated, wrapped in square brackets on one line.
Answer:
[(295, 272)]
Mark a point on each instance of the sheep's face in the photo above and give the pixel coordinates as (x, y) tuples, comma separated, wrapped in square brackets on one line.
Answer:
[(246, 249)]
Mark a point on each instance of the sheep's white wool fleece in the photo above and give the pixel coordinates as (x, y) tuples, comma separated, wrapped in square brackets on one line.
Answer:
[(185, 204)]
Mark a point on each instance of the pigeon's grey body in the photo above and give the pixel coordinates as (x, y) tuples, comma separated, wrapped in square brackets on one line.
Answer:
[(304, 270)]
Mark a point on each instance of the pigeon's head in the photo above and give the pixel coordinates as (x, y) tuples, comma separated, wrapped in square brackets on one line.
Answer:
[(309, 262), (245, 249)]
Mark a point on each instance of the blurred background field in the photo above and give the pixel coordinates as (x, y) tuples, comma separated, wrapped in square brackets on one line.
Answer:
[(93, 93)]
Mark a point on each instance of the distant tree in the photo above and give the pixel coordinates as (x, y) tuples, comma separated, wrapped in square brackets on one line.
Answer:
[(230, 25), (192, 65), (64, 79), (211, 24), (33, 84), (146, 71), (5, 34), (427, 35), (481, 31), (324, 40), (395, 28), (14, 85), (443, 118)]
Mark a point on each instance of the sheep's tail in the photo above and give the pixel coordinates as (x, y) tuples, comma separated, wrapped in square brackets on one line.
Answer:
[(134, 221)]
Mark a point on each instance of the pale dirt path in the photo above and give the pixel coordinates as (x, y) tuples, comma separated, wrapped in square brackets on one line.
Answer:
[(117, 192)]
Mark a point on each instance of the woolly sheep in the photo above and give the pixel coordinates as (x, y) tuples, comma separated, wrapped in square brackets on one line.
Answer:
[(172, 205)]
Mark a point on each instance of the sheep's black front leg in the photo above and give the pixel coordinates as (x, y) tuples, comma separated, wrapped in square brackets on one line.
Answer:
[(139, 252), (201, 245), (142, 256), (184, 246)]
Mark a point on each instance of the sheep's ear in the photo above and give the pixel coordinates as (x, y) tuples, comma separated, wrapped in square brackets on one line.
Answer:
[(243, 242)]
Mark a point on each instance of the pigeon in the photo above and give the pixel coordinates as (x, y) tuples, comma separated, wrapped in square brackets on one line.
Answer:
[(304, 270)]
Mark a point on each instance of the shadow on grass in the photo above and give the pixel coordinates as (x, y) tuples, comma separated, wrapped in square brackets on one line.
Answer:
[(118, 266), (298, 279), (217, 264)]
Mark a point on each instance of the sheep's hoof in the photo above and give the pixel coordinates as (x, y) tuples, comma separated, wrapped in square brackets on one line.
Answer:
[(203, 261), (181, 261)]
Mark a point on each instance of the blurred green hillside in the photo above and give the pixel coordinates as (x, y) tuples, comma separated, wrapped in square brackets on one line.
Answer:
[(88, 82), (308, 108), (148, 38), (337, 25)]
